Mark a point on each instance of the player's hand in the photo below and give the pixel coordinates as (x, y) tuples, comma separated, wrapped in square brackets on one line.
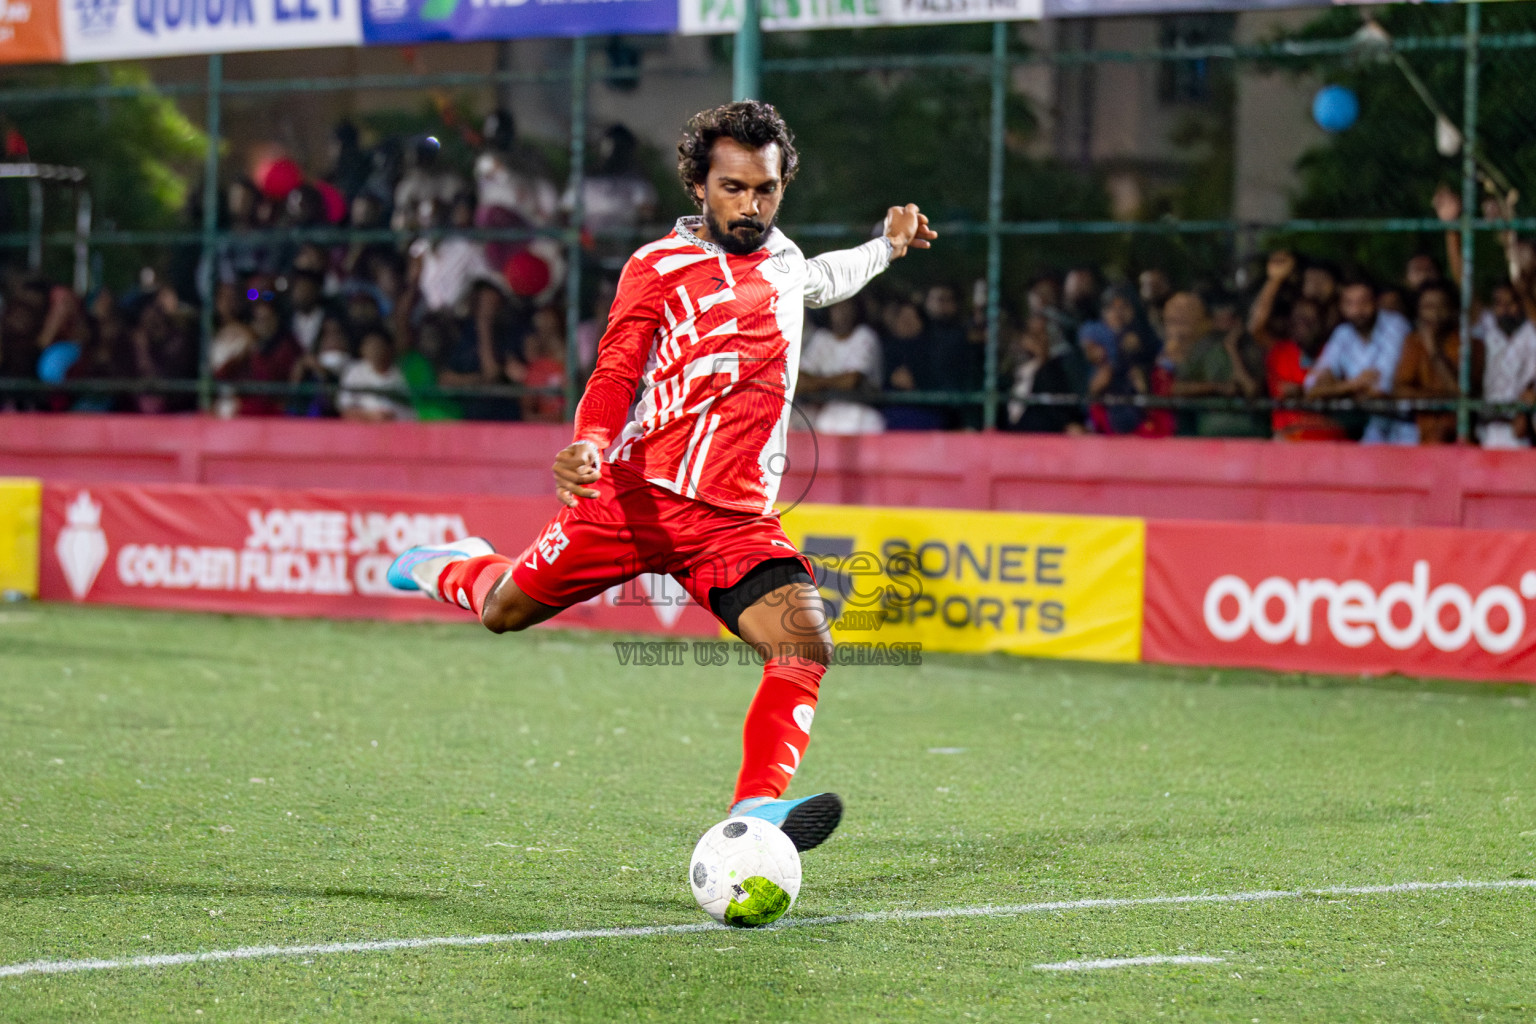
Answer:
[(576, 468), (907, 228)]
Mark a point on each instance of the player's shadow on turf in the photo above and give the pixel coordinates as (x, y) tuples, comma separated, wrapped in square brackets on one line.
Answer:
[(20, 879)]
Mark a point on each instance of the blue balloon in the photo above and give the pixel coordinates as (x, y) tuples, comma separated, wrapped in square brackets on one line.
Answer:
[(55, 361), (1335, 108)]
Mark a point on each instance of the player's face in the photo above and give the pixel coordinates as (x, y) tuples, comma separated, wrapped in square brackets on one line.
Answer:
[(741, 195)]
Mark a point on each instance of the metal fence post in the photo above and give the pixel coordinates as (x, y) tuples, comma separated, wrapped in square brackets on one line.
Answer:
[(1468, 202), (207, 275), (995, 219), (35, 223), (747, 81), (573, 231)]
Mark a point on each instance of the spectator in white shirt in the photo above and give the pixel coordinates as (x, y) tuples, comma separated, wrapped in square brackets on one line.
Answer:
[(307, 314), (617, 195), (447, 268), (1509, 374), (513, 189), (843, 356), (377, 372), (1360, 361), (425, 182)]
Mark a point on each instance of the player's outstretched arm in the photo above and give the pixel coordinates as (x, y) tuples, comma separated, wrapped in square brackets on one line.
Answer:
[(835, 276), (577, 467), (907, 228)]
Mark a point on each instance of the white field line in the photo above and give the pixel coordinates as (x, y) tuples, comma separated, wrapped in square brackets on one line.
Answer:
[(875, 917), (1127, 961)]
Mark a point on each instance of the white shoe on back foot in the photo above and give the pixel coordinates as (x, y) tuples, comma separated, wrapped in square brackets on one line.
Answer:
[(420, 568)]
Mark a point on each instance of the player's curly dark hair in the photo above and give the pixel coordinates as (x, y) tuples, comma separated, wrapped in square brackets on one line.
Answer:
[(750, 122)]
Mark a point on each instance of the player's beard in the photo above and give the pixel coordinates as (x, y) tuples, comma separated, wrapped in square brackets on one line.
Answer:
[(742, 237)]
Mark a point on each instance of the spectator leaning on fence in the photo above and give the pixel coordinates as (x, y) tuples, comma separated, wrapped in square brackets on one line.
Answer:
[(1509, 374), (1118, 356), (107, 354), (1431, 362), (1224, 363), (843, 356), (1154, 289), (1291, 344), (1035, 364), (909, 366), (269, 358), (323, 367), (372, 386), (1360, 361), (543, 365), (421, 362), (1320, 284), (1504, 328)]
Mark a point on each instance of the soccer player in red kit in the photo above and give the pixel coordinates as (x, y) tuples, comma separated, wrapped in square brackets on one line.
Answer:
[(707, 323)]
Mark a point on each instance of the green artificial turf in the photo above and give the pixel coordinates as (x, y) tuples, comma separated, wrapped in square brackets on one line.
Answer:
[(177, 783)]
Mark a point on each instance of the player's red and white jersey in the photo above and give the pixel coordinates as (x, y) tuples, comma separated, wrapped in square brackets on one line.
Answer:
[(713, 339)]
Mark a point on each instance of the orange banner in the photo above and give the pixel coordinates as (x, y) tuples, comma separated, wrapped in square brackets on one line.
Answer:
[(29, 32)]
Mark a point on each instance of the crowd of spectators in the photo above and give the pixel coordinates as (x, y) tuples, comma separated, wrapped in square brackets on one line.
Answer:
[(387, 321), (383, 324)]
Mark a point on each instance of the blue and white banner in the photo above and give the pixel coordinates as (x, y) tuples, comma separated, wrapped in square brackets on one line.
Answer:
[(1098, 8), (415, 21), (703, 17), (119, 29)]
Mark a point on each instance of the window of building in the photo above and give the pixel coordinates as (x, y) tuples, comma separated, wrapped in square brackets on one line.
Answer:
[(1193, 81)]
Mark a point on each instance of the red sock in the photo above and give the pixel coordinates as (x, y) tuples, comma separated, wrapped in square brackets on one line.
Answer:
[(466, 583), (778, 726)]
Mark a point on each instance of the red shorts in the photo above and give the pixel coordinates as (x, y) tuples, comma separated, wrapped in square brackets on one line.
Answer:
[(636, 527)]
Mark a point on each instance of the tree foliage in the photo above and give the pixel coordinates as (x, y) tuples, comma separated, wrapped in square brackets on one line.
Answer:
[(139, 152), (1386, 165), (869, 139)]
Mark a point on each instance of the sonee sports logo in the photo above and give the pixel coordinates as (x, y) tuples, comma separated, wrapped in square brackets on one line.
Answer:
[(1402, 615)]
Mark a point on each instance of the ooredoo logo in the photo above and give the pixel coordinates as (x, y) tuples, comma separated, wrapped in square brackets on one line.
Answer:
[(1401, 615)]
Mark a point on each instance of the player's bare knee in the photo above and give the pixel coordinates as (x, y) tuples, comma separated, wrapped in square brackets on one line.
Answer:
[(819, 651), (500, 615), (504, 619)]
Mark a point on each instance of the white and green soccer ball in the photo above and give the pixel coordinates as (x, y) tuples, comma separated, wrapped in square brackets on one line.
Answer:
[(745, 873)]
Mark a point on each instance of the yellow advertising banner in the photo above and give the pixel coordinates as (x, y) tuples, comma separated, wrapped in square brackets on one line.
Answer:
[(21, 504), (1039, 585)]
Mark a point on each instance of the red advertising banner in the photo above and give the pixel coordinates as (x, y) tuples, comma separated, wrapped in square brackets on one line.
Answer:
[(1422, 602), (299, 553)]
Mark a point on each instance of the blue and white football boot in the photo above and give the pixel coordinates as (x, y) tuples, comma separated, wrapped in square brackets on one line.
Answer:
[(419, 568), (808, 822)]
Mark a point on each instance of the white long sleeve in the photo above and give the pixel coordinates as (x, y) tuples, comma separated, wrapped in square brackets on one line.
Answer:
[(838, 275)]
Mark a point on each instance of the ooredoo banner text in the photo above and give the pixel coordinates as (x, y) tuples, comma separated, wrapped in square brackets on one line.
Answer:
[(1342, 599), (299, 553)]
